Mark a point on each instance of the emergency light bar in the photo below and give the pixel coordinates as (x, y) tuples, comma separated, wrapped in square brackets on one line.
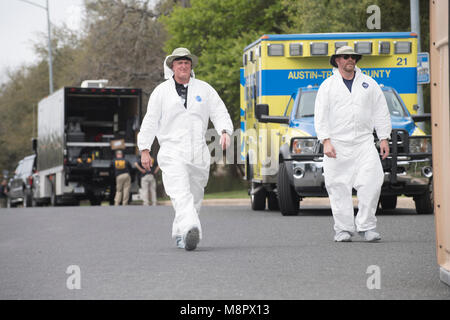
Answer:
[(402, 46), (319, 48), (363, 47), (384, 47), (339, 44), (275, 49), (296, 49)]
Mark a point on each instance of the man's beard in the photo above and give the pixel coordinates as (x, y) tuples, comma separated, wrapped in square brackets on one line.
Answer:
[(349, 67)]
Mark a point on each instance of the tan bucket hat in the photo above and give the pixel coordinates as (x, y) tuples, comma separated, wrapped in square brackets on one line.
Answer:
[(341, 51), (181, 52)]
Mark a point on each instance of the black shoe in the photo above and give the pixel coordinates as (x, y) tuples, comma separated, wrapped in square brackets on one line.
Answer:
[(192, 239)]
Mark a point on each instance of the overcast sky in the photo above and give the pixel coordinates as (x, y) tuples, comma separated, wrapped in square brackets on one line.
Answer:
[(21, 23)]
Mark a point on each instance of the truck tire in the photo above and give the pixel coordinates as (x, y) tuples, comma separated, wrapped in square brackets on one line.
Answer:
[(258, 199), (272, 201), (289, 200), (388, 202), (95, 201), (424, 202)]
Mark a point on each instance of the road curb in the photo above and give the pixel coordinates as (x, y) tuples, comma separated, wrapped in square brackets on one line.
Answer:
[(407, 203)]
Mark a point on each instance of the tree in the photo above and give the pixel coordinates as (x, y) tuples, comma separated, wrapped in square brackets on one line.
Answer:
[(217, 31), (316, 16), (122, 41)]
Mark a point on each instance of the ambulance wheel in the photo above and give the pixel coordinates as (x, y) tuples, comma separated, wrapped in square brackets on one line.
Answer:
[(272, 201), (258, 199), (388, 202), (288, 199), (424, 202)]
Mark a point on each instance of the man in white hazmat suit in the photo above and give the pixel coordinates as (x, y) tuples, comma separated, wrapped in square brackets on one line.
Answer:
[(177, 114), (349, 106)]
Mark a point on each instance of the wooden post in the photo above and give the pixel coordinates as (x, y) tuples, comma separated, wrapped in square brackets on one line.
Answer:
[(440, 123)]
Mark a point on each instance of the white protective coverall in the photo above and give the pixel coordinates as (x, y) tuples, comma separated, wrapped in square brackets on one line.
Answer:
[(183, 157), (348, 120)]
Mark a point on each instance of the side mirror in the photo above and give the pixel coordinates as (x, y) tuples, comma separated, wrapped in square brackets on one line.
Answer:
[(421, 117), (261, 109), (274, 119)]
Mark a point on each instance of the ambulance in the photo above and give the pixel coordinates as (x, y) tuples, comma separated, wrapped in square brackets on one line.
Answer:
[(279, 148)]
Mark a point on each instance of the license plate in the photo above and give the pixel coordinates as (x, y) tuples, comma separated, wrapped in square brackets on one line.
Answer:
[(103, 173), (79, 190)]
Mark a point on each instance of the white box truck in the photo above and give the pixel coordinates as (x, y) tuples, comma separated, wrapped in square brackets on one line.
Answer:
[(75, 128)]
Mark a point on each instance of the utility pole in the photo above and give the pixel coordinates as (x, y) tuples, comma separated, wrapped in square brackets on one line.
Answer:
[(50, 60), (415, 27)]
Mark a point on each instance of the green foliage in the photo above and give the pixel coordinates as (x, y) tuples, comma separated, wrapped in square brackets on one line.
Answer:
[(217, 31), (314, 16), (122, 41), (125, 42), (18, 100)]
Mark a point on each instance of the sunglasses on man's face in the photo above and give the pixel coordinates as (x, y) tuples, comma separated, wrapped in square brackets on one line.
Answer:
[(346, 56)]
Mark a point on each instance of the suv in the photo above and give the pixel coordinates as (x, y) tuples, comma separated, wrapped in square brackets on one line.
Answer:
[(407, 170), (21, 185)]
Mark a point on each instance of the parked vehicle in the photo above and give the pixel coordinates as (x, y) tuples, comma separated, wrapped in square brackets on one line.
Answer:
[(408, 169), (279, 147), (78, 128), (21, 185)]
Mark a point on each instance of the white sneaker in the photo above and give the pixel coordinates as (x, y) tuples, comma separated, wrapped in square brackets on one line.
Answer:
[(343, 236), (192, 238), (370, 235)]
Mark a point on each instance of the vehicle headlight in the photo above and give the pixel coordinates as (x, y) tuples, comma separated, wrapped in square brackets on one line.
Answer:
[(303, 146), (419, 145)]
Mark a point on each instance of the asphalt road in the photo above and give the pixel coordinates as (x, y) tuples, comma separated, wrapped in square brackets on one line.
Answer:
[(127, 253)]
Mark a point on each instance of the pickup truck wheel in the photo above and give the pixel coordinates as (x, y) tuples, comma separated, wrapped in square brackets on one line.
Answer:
[(289, 200), (424, 203), (272, 201), (388, 202), (258, 199)]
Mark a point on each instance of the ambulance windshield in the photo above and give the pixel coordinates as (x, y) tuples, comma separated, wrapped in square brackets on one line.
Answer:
[(395, 106), (306, 108), (307, 100)]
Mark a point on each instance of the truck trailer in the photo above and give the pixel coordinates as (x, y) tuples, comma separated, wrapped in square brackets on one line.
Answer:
[(78, 130)]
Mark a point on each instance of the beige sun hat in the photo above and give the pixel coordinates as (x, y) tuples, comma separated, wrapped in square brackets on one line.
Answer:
[(343, 50), (181, 52)]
